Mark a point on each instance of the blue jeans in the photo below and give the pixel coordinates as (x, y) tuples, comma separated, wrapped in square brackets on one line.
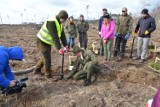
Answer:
[(69, 41)]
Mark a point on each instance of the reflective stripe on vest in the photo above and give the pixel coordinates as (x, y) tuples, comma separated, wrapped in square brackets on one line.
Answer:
[(44, 34)]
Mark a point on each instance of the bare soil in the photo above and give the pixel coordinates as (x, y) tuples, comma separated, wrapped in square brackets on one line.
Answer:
[(128, 84)]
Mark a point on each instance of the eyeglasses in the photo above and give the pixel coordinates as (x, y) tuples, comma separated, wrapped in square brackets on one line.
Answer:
[(123, 11)]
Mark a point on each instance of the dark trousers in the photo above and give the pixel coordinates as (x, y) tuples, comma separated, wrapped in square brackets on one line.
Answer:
[(101, 48), (83, 39), (45, 60), (120, 45)]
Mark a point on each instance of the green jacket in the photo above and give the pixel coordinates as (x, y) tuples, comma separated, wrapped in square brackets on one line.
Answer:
[(71, 30), (82, 26), (88, 56), (124, 25), (79, 64)]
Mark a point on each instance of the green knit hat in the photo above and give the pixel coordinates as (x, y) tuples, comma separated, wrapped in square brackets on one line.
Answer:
[(76, 49), (63, 14)]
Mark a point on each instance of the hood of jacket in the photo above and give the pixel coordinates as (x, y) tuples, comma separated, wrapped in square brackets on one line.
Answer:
[(14, 53)]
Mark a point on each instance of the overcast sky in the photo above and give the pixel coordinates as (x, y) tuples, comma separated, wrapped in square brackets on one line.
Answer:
[(16, 11)]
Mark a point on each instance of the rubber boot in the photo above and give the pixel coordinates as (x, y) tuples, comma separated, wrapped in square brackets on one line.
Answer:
[(37, 71), (87, 82)]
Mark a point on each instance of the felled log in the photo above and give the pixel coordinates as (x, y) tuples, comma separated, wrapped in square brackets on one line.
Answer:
[(24, 71)]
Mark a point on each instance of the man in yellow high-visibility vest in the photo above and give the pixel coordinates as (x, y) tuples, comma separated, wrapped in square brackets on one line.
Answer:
[(50, 34)]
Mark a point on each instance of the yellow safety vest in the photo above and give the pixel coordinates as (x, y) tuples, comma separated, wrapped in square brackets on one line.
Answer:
[(44, 34)]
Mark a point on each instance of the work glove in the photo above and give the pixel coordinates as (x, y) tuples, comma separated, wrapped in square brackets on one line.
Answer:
[(105, 41), (61, 51), (66, 49), (115, 34), (146, 32), (127, 36)]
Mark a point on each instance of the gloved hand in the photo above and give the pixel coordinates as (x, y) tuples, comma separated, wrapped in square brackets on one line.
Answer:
[(66, 49), (127, 36), (105, 41), (146, 32), (115, 34), (61, 51), (99, 33)]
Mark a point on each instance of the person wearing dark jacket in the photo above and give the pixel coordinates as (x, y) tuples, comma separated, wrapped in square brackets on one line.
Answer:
[(6, 75), (146, 25), (50, 34)]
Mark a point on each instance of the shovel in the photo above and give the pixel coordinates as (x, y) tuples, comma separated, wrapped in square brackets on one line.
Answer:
[(61, 73), (132, 47)]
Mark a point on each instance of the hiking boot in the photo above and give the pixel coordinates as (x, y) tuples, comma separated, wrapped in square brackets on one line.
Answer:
[(48, 76), (37, 71), (94, 78), (120, 59), (141, 60), (87, 82), (136, 58)]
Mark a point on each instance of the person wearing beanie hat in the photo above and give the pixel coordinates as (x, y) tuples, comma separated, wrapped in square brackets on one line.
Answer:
[(145, 11), (85, 67), (83, 27), (146, 25), (6, 76), (107, 34), (63, 14), (71, 32), (123, 31), (50, 35)]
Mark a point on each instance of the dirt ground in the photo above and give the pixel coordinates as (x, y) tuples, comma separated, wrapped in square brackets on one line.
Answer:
[(125, 84)]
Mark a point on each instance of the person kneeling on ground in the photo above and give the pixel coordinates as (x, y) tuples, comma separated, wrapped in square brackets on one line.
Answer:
[(6, 75), (85, 66)]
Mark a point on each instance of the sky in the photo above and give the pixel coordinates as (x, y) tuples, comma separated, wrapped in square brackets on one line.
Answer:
[(18, 11)]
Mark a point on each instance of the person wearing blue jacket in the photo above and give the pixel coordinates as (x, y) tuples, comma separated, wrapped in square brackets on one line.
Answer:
[(6, 54)]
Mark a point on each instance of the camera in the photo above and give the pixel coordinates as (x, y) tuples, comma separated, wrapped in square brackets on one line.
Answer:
[(16, 89)]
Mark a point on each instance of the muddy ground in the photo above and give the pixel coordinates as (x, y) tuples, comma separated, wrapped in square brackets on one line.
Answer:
[(127, 84)]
